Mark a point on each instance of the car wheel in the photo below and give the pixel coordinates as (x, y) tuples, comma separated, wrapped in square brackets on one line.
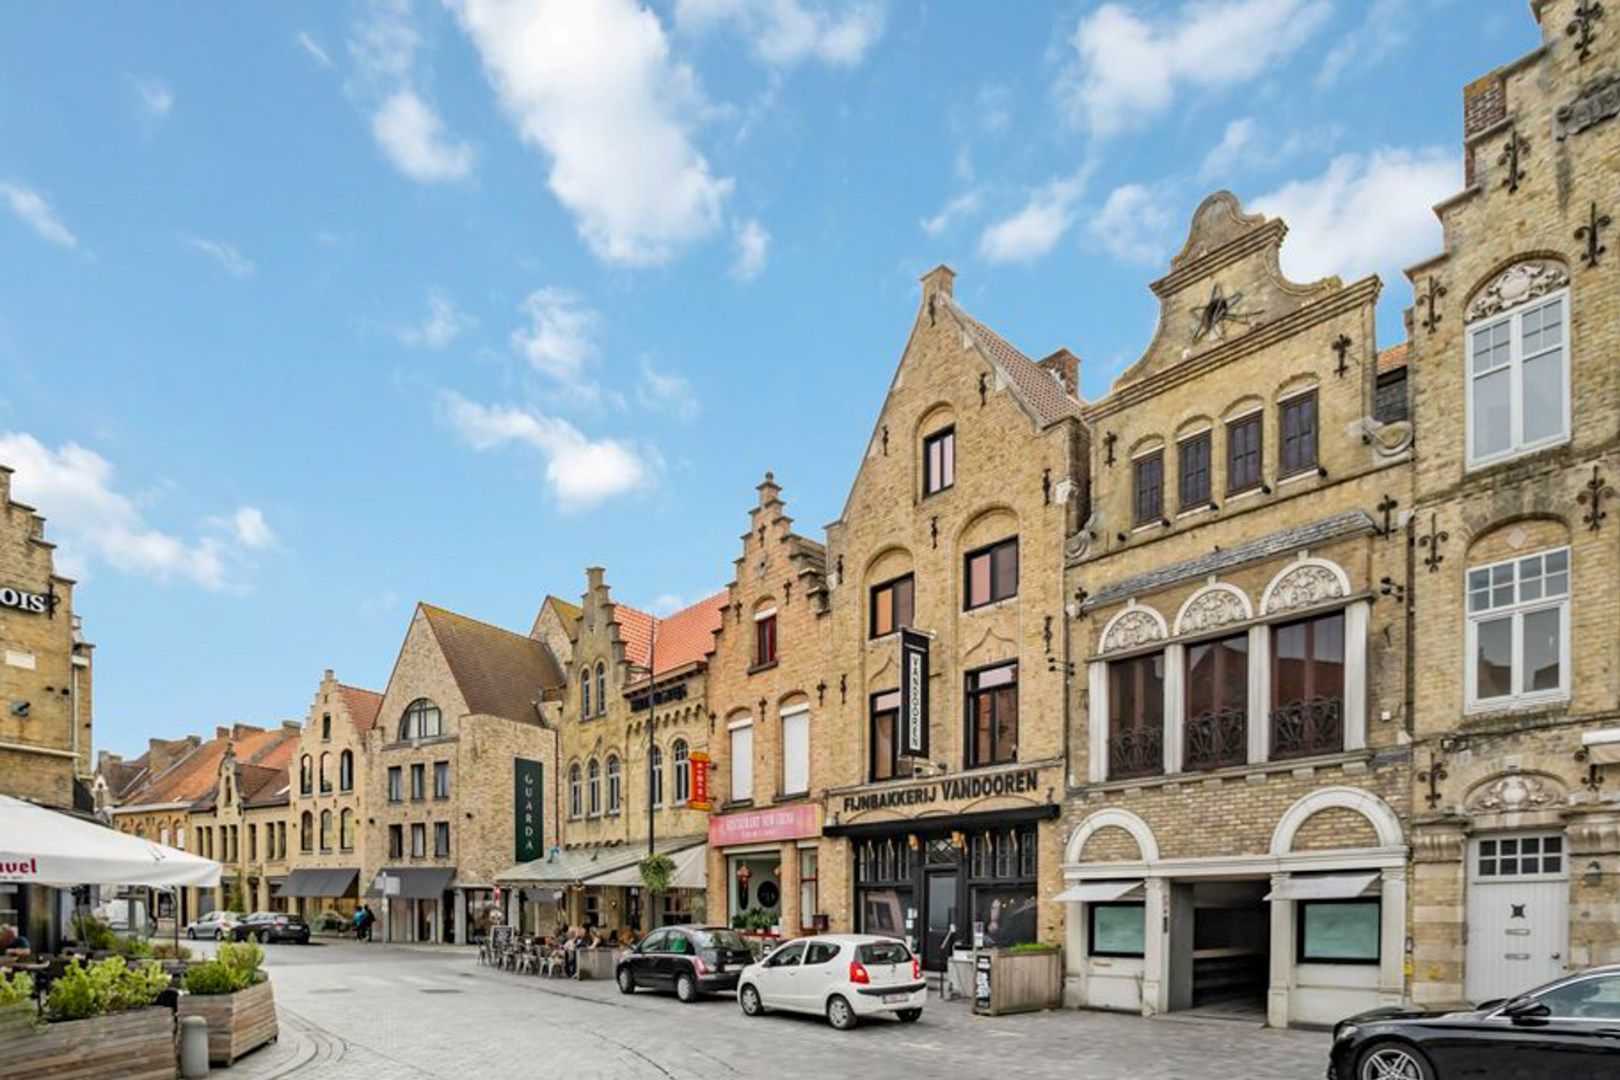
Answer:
[(686, 987), (219, 935), (627, 981), (909, 1016), (191, 934), (839, 1014), (1394, 1061), (749, 998), (264, 937)]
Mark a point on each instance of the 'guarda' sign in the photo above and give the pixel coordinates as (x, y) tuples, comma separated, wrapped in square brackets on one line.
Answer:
[(31, 602), (528, 807), (952, 787)]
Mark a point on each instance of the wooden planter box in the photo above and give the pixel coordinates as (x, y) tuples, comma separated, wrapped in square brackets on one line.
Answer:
[(16, 1021), (1018, 981), (237, 1023), (136, 1045)]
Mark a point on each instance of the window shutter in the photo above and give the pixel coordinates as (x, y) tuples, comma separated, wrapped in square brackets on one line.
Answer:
[(796, 753), (742, 762)]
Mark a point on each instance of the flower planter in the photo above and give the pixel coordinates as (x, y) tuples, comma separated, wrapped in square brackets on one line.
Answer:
[(237, 1022), (134, 1045), (1019, 980), (17, 1020)]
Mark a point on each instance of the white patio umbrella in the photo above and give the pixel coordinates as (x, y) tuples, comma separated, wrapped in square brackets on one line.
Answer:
[(42, 847)]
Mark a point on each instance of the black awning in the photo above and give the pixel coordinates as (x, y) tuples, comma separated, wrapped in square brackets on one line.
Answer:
[(415, 882), (939, 823), (333, 883)]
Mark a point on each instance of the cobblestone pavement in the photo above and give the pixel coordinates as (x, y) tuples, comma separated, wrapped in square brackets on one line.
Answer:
[(408, 1012)]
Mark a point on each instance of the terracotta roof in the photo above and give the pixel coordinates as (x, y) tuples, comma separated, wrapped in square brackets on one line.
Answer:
[(635, 630), (362, 705), (498, 672), (685, 637), (1036, 386), (1396, 356), (123, 776), (194, 776), (261, 785)]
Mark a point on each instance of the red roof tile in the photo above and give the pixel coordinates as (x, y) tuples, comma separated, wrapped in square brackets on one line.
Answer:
[(362, 705), (1396, 356), (685, 637)]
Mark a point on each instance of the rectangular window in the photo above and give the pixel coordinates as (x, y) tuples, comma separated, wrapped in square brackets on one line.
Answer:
[(396, 841), (1307, 687), (441, 839), (1215, 733), (396, 783), (1136, 716), (1518, 630), (742, 760), (253, 842), (893, 605), (1116, 929), (1147, 505), (1298, 421), (1243, 454), (992, 574), (765, 639), (809, 889), (418, 782), (1518, 381), (1389, 397), (939, 461), (1339, 931), (441, 779), (1519, 856), (796, 752), (885, 746), (1192, 455), (992, 715), (418, 841)]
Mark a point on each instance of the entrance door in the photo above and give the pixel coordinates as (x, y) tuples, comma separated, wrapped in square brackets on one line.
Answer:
[(1518, 913), (940, 933)]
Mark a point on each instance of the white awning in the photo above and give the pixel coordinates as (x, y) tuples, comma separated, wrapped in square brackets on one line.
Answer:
[(1324, 887), (44, 847), (691, 871), (1099, 892), (1602, 747)]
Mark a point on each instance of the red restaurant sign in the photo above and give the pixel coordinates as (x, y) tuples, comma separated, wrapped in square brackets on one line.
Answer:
[(763, 826), (700, 782)]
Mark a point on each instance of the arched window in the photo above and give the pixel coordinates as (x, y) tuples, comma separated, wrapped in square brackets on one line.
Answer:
[(593, 787), (346, 771), (614, 792), (326, 773), (326, 728), (683, 771), (306, 832), (346, 829), (306, 776), (601, 687), (576, 800), (585, 693), (326, 830), (655, 767), (422, 720)]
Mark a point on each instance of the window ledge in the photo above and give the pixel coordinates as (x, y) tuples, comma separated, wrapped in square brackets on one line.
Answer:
[(994, 605), (757, 668), (1307, 473), (737, 804), (1474, 468), (1233, 772), (1493, 714)]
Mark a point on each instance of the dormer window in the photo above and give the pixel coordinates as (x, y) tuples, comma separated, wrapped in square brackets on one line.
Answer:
[(939, 461)]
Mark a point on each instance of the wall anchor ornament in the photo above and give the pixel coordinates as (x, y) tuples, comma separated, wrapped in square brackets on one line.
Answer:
[(1433, 291), (1513, 152), (1431, 544), (1591, 233), (1582, 30), (1597, 489)]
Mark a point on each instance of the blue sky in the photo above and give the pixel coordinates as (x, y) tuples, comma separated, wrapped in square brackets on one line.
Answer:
[(309, 311)]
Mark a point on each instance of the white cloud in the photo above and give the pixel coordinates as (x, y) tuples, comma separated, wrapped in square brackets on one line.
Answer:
[(787, 32), (32, 210), (560, 338), (413, 137), (404, 122), (74, 487), (752, 242), (666, 391), (315, 49), (1133, 224), (1037, 227), (1365, 214), (592, 84), (667, 604), (1236, 142), (962, 206), (231, 260), (1385, 31), (440, 326), (1128, 67), (581, 472), (155, 98)]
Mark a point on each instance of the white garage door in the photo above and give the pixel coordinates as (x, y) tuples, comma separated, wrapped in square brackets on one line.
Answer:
[(1518, 913)]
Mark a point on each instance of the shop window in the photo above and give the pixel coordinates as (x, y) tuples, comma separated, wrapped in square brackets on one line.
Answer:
[(1243, 446), (396, 783), (1518, 381), (1192, 459), (615, 795), (1147, 487), (765, 638), (576, 793), (418, 782), (742, 760), (1339, 931), (1519, 856), (1307, 687), (991, 574), (1001, 869), (655, 764), (441, 839), (809, 889), (796, 752), (1298, 421), (1389, 397), (1215, 732), (306, 833), (306, 775), (345, 830), (593, 788), (1518, 630), (939, 461), (1136, 716), (421, 720), (1114, 929), (346, 771), (418, 841), (326, 830), (884, 750), (396, 841), (992, 715), (883, 861), (893, 605), (441, 779)]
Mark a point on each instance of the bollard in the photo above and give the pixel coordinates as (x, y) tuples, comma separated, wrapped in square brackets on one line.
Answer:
[(193, 1047)]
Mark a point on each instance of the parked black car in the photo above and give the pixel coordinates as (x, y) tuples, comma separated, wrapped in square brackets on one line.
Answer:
[(690, 960), (265, 926), (1569, 1029)]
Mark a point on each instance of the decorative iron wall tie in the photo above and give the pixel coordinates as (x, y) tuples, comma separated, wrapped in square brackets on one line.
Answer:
[(1581, 28), (843, 689), (885, 440), (1046, 486), (1593, 779), (1341, 348), (1592, 233), (1433, 775), (1431, 544), (1433, 291), (933, 530), (984, 388), (821, 692), (1046, 634), (1512, 152), (932, 298), (1108, 445), (1386, 506), (1597, 489)]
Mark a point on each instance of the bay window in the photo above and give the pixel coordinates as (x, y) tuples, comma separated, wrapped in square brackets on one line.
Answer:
[(1518, 381), (992, 715), (1307, 686), (1518, 630), (1136, 716), (1215, 732)]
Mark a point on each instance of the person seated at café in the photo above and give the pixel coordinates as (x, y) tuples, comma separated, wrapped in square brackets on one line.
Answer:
[(11, 941)]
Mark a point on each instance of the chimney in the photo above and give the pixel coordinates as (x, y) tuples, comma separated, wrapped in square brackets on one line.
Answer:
[(327, 677), (222, 732), (242, 731), (1484, 106), (938, 280), (1066, 366)]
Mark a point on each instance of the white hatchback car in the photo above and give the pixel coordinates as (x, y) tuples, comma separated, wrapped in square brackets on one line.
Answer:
[(844, 977)]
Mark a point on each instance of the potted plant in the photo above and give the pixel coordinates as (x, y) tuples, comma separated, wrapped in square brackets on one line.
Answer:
[(17, 1008), (234, 997), (99, 1021), (657, 871)]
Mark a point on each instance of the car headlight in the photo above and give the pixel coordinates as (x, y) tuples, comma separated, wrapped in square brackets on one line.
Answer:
[(1345, 1031)]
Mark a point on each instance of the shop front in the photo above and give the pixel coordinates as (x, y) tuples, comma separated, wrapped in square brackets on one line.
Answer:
[(418, 903), (765, 870), (601, 886)]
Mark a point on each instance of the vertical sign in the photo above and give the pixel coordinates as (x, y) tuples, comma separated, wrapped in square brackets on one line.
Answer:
[(698, 761), (982, 996), (528, 808), (913, 693)]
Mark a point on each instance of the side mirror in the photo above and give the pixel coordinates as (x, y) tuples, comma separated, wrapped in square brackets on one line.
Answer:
[(1526, 1011)]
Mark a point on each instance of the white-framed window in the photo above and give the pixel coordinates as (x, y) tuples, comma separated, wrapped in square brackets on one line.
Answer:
[(796, 752), (1518, 380), (576, 794), (655, 767), (742, 759), (593, 787), (1518, 630), (681, 754), (614, 795)]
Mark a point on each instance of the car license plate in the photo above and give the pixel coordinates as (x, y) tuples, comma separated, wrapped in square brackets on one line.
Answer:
[(732, 967), (895, 999)]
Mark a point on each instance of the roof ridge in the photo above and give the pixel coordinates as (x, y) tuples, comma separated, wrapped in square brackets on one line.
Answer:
[(478, 622)]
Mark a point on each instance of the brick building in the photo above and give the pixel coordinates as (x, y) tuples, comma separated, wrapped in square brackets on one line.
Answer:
[(1235, 838), (1516, 328)]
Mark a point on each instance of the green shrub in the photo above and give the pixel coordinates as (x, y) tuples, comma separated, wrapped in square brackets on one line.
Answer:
[(133, 948), (1032, 947), (95, 933), (15, 986), (243, 959), (210, 978), (166, 950), (106, 986), (235, 968)]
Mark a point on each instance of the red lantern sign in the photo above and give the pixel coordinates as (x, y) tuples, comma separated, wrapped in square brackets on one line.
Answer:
[(700, 782)]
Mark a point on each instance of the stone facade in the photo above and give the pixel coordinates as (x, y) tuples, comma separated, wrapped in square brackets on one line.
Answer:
[(331, 787), (1520, 747)]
